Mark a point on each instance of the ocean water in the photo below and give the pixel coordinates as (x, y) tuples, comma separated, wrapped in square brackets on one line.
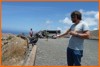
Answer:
[(15, 32)]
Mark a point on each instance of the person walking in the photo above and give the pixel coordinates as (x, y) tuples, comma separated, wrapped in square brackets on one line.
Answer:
[(31, 37), (78, 31), (31, 32)]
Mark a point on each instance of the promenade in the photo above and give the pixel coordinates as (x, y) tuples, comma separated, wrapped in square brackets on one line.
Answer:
[(53, 52)]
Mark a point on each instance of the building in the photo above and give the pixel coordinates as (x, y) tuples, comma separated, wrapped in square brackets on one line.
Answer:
[(49, 33)]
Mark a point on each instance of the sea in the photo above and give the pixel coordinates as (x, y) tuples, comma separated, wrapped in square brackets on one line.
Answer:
[(15, 32)]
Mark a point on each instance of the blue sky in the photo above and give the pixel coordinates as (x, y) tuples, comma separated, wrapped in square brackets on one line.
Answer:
[(21, 16)]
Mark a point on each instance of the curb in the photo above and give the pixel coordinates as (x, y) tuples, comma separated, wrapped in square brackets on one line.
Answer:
[(31, 58)]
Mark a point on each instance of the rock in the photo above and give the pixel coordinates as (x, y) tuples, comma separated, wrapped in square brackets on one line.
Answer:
[(13, 49)]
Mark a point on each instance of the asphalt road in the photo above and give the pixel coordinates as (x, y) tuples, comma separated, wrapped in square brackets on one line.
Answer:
[(53, 52)]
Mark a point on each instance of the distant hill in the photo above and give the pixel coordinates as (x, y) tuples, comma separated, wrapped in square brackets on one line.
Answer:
[(94, 34)]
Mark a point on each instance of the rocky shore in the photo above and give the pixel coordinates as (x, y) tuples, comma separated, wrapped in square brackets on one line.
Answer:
[(13, 49)]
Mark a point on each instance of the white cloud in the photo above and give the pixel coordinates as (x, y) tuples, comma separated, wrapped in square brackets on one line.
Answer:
[(66, 20), (97, 15), (91, 21), (48, 21), (95, 29), (88, 12), (63, 30), (81, 10), (91, 17), (59, 28)]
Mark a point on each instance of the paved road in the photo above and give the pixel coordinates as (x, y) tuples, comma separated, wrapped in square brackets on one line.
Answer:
[(53, 52)]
